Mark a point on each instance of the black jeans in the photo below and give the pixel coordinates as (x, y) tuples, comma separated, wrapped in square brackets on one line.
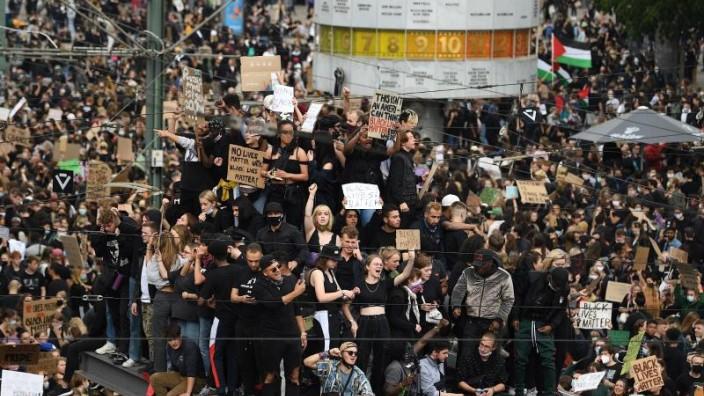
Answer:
[(225, 356), (162, 308), (248, 355), (373, 327)]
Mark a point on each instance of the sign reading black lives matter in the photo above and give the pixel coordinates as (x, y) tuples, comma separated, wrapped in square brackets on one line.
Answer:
[(192, 100), (244, 165), (384, 114)]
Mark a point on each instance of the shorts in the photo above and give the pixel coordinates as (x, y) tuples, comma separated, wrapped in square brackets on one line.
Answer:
[(273, 351)]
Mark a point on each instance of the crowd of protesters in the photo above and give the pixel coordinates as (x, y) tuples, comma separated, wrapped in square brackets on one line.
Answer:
[(215, 287)]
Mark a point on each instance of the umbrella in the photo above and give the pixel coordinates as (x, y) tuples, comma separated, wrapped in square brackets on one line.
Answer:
[(641, 126)]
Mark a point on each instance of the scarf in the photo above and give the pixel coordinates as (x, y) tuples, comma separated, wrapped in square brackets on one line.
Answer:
[(412, 305)]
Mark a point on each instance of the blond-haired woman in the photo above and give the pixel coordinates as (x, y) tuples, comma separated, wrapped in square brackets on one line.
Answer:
[(318, 224)]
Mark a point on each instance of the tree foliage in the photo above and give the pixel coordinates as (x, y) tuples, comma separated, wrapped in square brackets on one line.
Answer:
[(669, 18)]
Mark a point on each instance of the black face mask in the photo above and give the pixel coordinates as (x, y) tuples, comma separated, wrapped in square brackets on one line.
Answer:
[(640, 300), (697, 369), (274, 221)]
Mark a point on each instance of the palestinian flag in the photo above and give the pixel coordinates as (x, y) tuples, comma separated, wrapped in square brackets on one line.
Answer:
[(569, 52), (546, 73)]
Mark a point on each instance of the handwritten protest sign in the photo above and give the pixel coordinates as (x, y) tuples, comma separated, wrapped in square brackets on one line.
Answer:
[(244, 165), (54, 115), (385, 110), (311, 117), (16, 383), (574, 180), (45, 364), (428, 180), (11, 354), (73, 251), (594, 315), (99, 175), (616, 291), (634, 345), (641, 259), (256, 72), (408, 239), (532, 192), (679, 255), (361, 196), (283, 99), (18, 136), (192, 100), (688, 276), (38, 314), (647, 374), (587, 382)]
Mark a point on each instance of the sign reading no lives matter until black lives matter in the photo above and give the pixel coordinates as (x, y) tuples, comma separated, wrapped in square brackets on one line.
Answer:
[(384, 114), (244, 165)]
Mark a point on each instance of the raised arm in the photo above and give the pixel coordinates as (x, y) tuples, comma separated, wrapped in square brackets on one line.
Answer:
[(407, 270)]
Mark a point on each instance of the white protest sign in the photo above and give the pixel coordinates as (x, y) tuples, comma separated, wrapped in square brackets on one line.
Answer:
[(18, 107), (490, 167), (311, 117), (283, 99), (15, 383), (55, 115), (17, 246), (4, 113), (361, 196), (587, 382), (594, 315)]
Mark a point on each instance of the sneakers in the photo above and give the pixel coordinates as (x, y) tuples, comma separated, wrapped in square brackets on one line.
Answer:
[(109, 347), (129, 363), (207, 391)]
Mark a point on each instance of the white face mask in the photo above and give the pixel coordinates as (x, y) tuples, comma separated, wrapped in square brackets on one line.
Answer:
[(679, 216), (593, 276), (605, 359), (690, 298)]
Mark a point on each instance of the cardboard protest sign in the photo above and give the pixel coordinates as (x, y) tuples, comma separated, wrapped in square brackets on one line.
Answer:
[(616, 291), (45, 364), (37, 314), (656, 248), (532, 192), (192, 99), (124, 150), (587, 382), (361, 196), (428, 180), (385, 110), (283, 99), (16, 383), (679, 255), (64, 151), (99, 175), (11, 354), (311, 117), (256, 72), (688, 276), (619, 338), (574, 180), (647, 374), (73, 251), (594, 315), (634, 345), (641, 259), (244, 165), (18, 136), (408, 239)]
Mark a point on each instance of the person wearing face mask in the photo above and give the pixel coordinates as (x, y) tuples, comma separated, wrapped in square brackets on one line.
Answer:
[(606, 361), (689, 300), (686, 382), (486, 292), (283, 238), (539, 309), (483, 372)]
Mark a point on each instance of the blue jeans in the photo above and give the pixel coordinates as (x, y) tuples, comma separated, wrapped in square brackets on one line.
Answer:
[(203, 342), (190, 329), (365, 216), (135, 349), (109, 326)]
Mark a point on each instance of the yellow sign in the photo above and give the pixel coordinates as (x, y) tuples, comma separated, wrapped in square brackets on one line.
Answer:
[(392, 44), (364, 42), (479, 45), (420, 44), (342, 41), (503, 44), (451, 45), (325, 38)]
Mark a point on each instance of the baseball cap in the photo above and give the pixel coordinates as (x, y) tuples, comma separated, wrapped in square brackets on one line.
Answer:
[(449, 199)]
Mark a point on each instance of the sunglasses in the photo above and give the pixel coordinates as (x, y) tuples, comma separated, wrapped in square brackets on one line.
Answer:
[(351, 353), (275, 268)]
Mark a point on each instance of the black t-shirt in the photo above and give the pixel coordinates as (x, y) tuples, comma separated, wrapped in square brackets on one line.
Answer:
[(186, 360), (245, 279), (56, 286), (348, 273), (32, 283), (276, 319), (219, 283), (374, 295), (685, 384)]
